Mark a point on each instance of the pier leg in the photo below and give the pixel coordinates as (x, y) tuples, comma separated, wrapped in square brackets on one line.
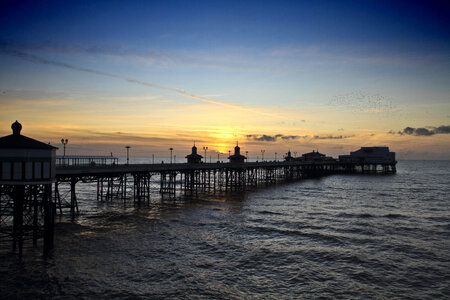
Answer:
[(19, 193), (49, 219), (35, 214)]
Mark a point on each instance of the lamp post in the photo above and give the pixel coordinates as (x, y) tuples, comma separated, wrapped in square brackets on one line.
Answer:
[(262, 154), (218, 156), (171, 149), (205, 148), (295, 154), (153, 158), (246, 155), (128, 154), (64, 142), (275, 156)]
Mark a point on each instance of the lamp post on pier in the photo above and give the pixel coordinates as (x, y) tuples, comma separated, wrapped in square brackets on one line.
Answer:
[(171, 149), (275, 156), (205, 148), (64, 142), (128, 154), (246, 155), (262, 155)]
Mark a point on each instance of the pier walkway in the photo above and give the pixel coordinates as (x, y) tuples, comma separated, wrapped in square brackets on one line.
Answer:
[(136, 181)]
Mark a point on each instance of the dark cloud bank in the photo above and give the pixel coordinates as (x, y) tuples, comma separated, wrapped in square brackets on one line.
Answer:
[(273, 138), (422, 131)]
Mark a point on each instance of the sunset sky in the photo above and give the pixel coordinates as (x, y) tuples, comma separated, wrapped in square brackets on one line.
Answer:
[(273, 75)]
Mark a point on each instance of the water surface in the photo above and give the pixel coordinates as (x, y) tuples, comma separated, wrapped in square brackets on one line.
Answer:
[(342, 236)]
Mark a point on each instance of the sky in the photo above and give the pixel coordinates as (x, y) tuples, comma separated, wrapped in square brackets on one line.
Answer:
[(272, 75)]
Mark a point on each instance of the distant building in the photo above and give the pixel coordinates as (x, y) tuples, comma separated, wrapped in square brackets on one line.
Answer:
[(237, 157), (194, 158), (313, 156), (370, 155)]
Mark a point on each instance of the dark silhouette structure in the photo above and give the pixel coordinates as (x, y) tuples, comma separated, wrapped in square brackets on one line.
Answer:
[(237, 157), (369, 159), (28, 170), (288, 156), (313, 156), (194, 158)]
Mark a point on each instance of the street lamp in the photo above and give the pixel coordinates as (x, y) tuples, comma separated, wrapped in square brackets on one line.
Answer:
[(171, 149), (64, 142), (205, 148), (246, 155), (262, 154), (128, 154), (275, 156)]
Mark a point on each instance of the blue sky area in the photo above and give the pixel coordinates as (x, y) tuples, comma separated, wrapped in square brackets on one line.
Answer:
[(386, 58)]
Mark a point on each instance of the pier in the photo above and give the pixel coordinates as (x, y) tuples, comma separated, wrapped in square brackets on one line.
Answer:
[(136, 182), (36, 185)]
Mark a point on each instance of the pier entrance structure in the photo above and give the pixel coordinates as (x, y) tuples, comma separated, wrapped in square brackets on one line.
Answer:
[(27, 171)]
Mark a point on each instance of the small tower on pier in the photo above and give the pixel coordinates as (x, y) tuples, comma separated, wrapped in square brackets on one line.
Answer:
[(288, 156), (27, 170), (237, 157), (194, 158)]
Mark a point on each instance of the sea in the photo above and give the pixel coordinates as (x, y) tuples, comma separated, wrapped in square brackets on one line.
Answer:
[(334, 237)]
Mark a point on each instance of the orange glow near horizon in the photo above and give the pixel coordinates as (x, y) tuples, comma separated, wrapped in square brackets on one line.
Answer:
[(154, 127)]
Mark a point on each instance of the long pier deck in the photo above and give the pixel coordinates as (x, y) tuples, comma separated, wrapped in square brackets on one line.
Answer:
[(134, 181)]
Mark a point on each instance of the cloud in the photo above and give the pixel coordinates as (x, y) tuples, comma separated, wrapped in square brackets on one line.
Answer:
[(264, 137), (330, 137), (423, 131), (147, 56), (44, 61), (273, 138)]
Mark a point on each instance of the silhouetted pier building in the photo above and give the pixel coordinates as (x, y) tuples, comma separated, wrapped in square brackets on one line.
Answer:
[(313, 156), (27, 170), (288, 156), (237, 158), (194, 157), (370, 159)]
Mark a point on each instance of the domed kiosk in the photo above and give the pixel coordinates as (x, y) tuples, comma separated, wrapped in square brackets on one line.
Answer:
[(237, 157), (27, 171), (194, 157)]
